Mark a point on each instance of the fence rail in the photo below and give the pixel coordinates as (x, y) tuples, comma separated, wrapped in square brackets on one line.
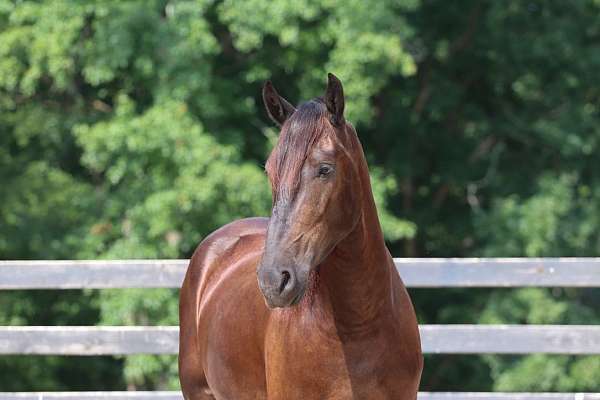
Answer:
[(436, 339), (164, 395), (416, 272)]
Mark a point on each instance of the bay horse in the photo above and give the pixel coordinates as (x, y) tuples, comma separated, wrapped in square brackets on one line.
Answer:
[(306, 304)]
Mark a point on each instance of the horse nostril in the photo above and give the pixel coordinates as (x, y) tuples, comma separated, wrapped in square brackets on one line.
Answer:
[(284, 281)]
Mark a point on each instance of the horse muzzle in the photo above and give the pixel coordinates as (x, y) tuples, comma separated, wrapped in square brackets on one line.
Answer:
[(281, 287)]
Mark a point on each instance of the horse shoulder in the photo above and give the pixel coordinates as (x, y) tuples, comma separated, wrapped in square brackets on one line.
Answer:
[(221, 310), (228, 242)]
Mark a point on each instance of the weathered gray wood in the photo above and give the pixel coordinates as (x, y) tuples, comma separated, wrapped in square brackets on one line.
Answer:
[(505, 396), (177, 396), (416, 272), (499, 272), (88, 340), (158, 395), (446, 339), (511, 339), (96, 274)]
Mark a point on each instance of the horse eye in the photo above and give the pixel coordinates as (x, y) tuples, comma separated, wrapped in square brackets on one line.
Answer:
[(325, 170)]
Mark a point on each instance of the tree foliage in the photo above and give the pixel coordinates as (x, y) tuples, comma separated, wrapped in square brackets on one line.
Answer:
[(133, 129)]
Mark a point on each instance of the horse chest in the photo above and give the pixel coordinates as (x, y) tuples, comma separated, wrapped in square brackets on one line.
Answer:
[(305, 362)]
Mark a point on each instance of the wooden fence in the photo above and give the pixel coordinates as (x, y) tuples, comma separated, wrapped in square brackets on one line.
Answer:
[(416, 273)]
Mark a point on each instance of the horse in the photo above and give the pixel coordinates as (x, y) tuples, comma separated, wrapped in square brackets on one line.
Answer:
[(306, 304)]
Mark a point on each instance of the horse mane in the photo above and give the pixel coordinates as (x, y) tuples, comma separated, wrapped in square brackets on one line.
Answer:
[(298, 134)]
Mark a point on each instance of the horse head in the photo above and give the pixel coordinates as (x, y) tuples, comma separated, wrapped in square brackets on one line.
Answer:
[(316, 187)]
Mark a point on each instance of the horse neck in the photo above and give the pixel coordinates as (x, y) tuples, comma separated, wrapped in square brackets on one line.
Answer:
[(357, 274)]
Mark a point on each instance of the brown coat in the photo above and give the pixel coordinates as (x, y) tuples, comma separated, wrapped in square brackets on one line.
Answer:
[(306, 304)]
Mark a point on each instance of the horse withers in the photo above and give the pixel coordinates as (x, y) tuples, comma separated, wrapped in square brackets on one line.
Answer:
[(306, 304)]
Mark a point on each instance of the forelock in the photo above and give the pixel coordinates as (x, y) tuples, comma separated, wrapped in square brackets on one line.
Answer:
[(298, 134)]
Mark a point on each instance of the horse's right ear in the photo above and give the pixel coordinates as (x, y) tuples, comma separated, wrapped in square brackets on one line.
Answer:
[(278, 108)]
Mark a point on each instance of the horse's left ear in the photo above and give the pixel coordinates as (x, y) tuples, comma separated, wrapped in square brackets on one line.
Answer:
[(334, 99)]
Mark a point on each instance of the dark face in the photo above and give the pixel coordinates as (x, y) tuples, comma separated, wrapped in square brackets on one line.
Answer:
[(306, 226)]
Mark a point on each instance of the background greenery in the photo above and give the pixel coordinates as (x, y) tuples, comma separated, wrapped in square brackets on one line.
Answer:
[(131, 129)]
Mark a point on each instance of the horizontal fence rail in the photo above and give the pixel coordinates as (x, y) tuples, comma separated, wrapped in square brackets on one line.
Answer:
[(505, 396), (164, 395), (436, 339), (157, 395), (177, 396), (416, 272)]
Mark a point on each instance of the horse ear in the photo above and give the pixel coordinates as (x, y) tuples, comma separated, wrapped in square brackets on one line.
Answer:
[(334, 99), (278, 108)]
